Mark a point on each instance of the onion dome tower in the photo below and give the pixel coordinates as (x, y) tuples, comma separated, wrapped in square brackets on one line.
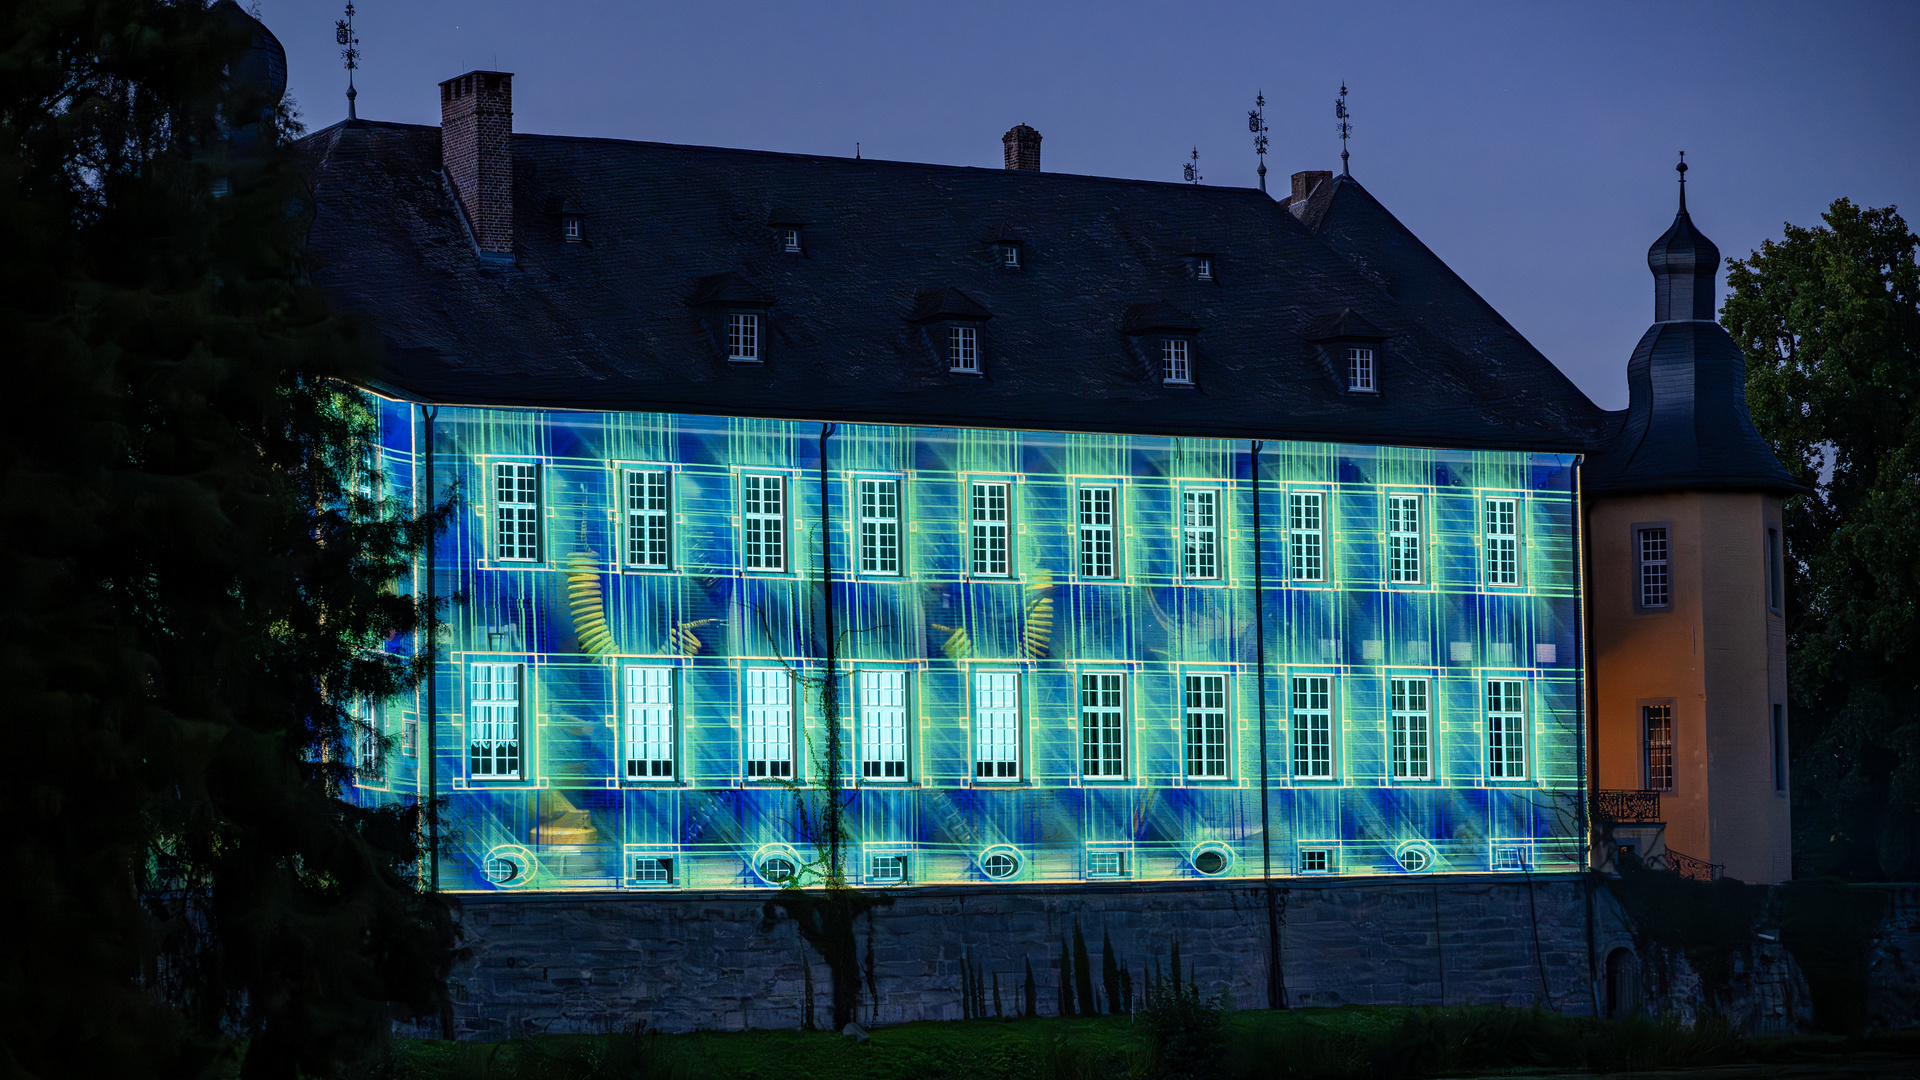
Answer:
[(1689, 645), (256, 70)]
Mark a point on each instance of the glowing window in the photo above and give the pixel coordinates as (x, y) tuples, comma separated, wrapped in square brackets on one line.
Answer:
[(1206, 726), (883, 725), (963, 348), (1200, 535), (516, 511), (1360, 369), (879, 526), (1656, 725), (493, 722), (649, 723), (1655, 581), (1173, 361), (1312, 723), (1506, 729), (1415, 859), (990, 515), (743, 336), (1403, 538), (886, 868), (769, 724), (996, 725), (763, 520), (409, 736), (1000, 864), (1412, 731), (503, 869), (1097, 522), (1502, 551), (1103, 726), (1106, 863), (1315, 861), (1306, 535), (1510, 857), (653, 870), (777, 868), (647, 519)]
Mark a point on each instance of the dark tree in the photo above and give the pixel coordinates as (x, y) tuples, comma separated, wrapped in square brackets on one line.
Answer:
[(1110, 973), (1083, 974), (1031, 1005)]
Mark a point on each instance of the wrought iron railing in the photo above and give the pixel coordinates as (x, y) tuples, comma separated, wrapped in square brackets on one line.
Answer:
[(1691, 868), (1625, 806)]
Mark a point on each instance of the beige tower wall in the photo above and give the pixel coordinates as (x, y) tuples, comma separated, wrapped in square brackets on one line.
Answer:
[(1718, 653)]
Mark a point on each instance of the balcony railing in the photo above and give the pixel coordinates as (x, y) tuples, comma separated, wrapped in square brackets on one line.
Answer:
[(1691, 868), (1626, 806)]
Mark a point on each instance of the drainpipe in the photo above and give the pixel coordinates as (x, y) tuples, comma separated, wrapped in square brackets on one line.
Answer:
[(1276, 977), (829, 687), (428, 414)]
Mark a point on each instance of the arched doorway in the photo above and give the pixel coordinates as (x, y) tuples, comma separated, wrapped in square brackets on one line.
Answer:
[(1623, 983)]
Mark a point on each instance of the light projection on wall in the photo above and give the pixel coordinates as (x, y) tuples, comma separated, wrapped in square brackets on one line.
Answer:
[(1047, 661)]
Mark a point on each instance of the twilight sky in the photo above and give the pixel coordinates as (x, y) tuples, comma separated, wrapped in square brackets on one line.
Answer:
[(1530, 145)]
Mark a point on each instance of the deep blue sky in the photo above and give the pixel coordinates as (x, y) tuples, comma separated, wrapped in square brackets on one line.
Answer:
[(1530, 145)]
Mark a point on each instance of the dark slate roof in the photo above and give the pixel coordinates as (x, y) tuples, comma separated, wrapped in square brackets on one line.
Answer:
[(605, 322)]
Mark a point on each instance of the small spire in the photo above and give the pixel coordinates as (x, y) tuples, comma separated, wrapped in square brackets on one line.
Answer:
[(1257, 123), (1346, 129), (1192, 168), (349, 44), (1682, 170)]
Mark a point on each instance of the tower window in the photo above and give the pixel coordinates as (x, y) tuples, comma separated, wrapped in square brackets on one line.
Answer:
[(743, 336), (1656, 727), (1173, 361), (963, 348), (1652, 555), (790, 240), (1360, 369), (1779, 747), (1774, 575)]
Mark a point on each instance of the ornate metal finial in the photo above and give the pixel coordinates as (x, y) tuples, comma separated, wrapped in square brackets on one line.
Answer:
[(1192, 168), (1682, 170), (1346, 129), (1257, 123), (350, 52)]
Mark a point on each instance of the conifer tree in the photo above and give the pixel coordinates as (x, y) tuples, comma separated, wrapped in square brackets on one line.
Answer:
[(1083, 973)]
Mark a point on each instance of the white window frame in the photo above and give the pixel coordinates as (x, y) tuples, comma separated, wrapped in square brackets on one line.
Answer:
[(884, 725), (1107, 863), (1653, 567), (887, 867), (763, 531), (743, 336), (963, 349), (1500, 555), (369, 750), (1410, 707), (570, 226), (1176, 363), (658, 876), (877, 506), (767, 723), (1656, 747), (648, 731), (516, 511), (1098, 541), (1307, 535), (996, 727), (790, 240), (1310, 726), (1202, 510), (989, 528), (1103, 725), (647, 509), (1406, 538), (496, 721), (1324, 860), (1203, 268), (1009, 255), (1506, 729), (1205, 723), (1360, 371)]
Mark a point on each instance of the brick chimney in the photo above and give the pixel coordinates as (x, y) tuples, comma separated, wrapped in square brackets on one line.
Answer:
[(476, 125), (1022, 144), (1304, 183)]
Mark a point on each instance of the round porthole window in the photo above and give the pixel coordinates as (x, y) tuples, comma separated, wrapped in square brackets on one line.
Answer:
[(777, 867), (1212, 859), (1415, 858), (508, 867), (1000, 863)]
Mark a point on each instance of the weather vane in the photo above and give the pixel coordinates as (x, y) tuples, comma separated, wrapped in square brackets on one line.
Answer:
[(1346, 129), (1257, 123), (1192, 168), (1682, 170), (350, 52)]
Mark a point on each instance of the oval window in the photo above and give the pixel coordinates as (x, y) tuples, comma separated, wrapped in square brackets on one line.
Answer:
[(503, 869), (1415, 859), (776, 868), (1212, 860), (1000, 864)]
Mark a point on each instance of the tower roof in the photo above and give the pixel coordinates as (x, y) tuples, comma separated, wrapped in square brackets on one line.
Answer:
[(1684, 264)]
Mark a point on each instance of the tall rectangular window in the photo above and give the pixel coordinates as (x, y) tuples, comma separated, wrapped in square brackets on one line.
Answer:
[(493, 722), (1360, 369), (369, 752), (743, 336), (883, 725), (963, 348), (1506, 729), (1502, 552), (879, 526), (647, 519), (1775, 585), (1312, 723), (516, 511), (1656, 586), (1200, 534), (996, 725), (1656, 726), (1306, 536), (1173, 361), (1412, 729), (1103, 726), (1098, 513), (1205, 726), (990, 516), (763, 521), (1403, 538), (769, 724), (1779, 747), (649, 723)]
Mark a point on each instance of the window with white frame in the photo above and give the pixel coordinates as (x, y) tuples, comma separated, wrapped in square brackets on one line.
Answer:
[(886, 868), (1009, 254), (996, 725), (1311, 719), (369, 752), (769, 724), (883, 725), (570, 226), (1173, 361), (1098, 519), (652, 870), (1203, 268), (1307, 535), (1103, 725), (1511, 857), (743, 336), (516, 511), (790, 239), (1200, 534), (493, 722), (990, 518), (763, 522), (879, 526), (1502, 550), (1412, 729), (1205, 727), (1106, 864), (1360, 369), (647, 519), (1656, 726), (649, 723), (1403, 538), (1315, 860), (1655, 579), (1506, 729), (963, 348)]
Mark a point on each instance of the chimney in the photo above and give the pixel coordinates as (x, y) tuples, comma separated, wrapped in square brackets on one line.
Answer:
[(476, 126), (1022, 144), (1304, 183)]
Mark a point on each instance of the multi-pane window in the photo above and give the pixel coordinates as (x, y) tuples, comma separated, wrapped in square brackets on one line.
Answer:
[(1173, 361), (1360, 368), (493, 722), (1506, 729), (516, 511), (769, 724), (963, 348), (1106, 863), (1009, 254), (1205, 728), (1314, 860), (996, 725), (1655, 580), (763, 521), (1312, 723), (1656, 726), (647, 519), (891, 868), (1097, 522), (743, 336), (649, 723), (1502, 551), (570, 226), (988, 512), (409, 736), (1103, 726), (879, 526), (1412, 729), (369, 745), (652, 870), (1200, 534), (1307, 535), (1403, 538), (883, 725), (1203, 269), (790, 240)]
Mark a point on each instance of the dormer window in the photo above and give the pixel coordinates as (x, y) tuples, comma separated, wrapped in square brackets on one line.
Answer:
[(963, 348), (1360, 369), (1203, 268), (571, 226), (743, 336), (1009, 254), (1173, 361), (790, 239)]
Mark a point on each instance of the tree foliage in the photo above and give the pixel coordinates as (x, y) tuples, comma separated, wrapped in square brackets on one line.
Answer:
[(1829, 317), (193, 588)]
